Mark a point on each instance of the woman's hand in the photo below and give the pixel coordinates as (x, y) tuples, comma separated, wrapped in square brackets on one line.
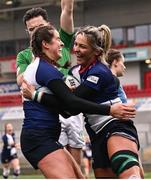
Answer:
[(123, 111), (27, 90), (17, 146)]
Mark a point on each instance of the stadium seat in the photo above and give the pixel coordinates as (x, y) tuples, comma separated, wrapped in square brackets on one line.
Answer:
[(10, 100)]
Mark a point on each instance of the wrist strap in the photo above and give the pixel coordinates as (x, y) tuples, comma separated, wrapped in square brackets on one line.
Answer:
[(37, 96)]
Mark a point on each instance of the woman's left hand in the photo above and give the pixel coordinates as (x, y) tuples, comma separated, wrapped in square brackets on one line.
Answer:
[(27, 90)]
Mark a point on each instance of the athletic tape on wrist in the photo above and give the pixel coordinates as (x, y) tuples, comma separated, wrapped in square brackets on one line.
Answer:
[(39, 96), (35, 95)]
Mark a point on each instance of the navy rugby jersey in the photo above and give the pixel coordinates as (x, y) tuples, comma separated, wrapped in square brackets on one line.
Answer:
[(8, 145), (8, 140), (98, 77), (39, 73)]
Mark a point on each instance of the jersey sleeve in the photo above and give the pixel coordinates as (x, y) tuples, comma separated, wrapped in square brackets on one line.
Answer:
[(72, 102), (66, 56), (23, 59), (47, 73), (66, 38)]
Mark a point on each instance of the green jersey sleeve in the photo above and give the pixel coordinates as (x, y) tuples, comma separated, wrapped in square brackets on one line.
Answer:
[(66, 38), (66, 56), (23, 59)]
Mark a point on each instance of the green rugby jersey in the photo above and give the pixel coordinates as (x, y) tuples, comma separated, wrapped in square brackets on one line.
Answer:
[(24, 57)]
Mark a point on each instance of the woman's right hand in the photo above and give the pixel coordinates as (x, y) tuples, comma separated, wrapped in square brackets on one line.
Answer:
[(123, 111), (27, 89)]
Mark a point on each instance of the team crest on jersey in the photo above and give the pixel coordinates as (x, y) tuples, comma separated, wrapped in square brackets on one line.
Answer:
[(93, 79)]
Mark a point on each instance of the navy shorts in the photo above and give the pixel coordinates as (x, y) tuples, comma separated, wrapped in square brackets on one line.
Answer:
[(6, 157), (99, 141), (37, 143)]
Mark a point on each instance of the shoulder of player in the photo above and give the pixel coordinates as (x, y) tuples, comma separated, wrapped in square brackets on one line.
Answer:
[(26, 51), (100, 68), (45, 67), (4, 137), (32, 66), (40, 64), (25, 54)]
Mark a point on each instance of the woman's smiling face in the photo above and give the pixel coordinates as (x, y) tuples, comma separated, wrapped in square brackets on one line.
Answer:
[(53, 49), (83, 50)]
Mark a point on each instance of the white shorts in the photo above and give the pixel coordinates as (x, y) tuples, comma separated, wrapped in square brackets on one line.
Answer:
[(72, 131)]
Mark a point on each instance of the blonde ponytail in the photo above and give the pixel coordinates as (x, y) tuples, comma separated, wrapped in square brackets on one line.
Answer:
[(106, 37)]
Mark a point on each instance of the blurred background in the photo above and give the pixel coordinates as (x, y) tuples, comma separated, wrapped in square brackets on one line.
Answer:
[(130, 23)]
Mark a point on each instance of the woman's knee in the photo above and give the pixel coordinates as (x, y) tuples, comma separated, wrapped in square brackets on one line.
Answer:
[(125, 163), (104, 173), (131, 173)]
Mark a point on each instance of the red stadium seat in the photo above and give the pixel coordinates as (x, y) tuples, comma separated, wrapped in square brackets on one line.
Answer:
[(132, 91), (7, 100)]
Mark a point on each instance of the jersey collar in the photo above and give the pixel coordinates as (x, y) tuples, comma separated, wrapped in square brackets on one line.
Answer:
[(83, 69)]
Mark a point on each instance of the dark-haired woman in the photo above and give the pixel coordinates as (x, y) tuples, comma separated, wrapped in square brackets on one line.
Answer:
[(115, 60)]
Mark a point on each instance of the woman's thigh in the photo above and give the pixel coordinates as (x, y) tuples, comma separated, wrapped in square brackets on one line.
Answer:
[(59, 164), (116, 143)]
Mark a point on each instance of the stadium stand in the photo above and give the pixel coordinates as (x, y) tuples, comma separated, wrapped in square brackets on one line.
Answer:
[(132, 91)]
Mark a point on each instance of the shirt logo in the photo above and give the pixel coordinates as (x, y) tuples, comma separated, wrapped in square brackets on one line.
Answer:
[(93, 79)]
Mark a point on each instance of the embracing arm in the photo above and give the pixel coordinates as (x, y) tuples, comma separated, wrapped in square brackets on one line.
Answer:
[(117, 110), (67, 99), (74, 104), (29, 92)]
